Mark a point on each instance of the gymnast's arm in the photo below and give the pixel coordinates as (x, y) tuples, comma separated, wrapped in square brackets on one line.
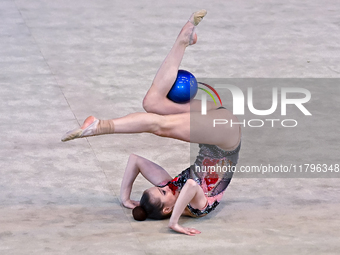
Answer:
[(151, 171), (191, 193)]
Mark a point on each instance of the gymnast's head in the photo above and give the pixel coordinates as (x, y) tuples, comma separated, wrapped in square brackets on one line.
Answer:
[(156, 203)]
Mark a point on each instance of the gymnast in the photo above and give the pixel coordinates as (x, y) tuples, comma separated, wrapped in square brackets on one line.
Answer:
[(195, 191)]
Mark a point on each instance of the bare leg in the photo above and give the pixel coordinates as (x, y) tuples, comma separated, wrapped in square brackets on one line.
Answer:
[(156, 100), (173, 126), (172, 120)]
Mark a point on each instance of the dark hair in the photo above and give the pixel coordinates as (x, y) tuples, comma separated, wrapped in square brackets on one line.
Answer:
[(148, 209)]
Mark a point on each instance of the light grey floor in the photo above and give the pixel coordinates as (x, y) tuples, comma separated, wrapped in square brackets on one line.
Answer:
[(61, 61)]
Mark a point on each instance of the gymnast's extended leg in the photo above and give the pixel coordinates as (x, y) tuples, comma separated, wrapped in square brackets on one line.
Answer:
[(191, 127), (156, 100)]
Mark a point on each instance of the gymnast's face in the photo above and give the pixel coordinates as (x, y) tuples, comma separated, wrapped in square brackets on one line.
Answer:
[(166, 196)]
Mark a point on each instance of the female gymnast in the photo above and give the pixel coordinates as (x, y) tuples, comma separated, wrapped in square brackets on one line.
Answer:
[(197, 190)]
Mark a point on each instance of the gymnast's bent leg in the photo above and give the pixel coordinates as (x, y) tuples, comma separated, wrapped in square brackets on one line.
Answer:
[(151, 122), (156, 100)]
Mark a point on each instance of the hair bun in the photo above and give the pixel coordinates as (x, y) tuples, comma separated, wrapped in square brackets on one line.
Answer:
[(139, 213)]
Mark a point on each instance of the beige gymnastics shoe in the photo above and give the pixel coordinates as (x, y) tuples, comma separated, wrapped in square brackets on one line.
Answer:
[(197, 17)]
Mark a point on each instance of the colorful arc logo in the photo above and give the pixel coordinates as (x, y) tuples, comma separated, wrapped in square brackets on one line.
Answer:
[(209, 93)]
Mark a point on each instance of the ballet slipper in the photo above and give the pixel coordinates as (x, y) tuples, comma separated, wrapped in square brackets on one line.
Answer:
[(197, 17), (73, 134), (97, 127)]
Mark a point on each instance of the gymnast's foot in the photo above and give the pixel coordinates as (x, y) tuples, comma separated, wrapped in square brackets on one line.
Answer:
[(90, 127), (188, 34)]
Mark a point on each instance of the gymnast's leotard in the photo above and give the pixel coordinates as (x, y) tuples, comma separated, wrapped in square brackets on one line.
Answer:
[(212, 170)]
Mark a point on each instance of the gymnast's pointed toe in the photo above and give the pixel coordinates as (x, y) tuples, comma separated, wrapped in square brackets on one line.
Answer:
[(197, 17), (73, 134)]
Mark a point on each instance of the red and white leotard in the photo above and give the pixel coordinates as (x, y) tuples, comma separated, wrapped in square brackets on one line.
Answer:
[(212, 170)]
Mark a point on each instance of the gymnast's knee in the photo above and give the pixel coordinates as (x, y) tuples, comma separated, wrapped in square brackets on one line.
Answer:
[(161, 127), (151, 104)]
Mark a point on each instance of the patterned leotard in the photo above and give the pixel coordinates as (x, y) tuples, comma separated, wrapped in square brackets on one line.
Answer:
[(212, 170)]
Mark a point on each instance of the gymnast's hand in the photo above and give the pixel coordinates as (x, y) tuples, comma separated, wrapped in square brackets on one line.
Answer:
[(130, 203), (187, 231)]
